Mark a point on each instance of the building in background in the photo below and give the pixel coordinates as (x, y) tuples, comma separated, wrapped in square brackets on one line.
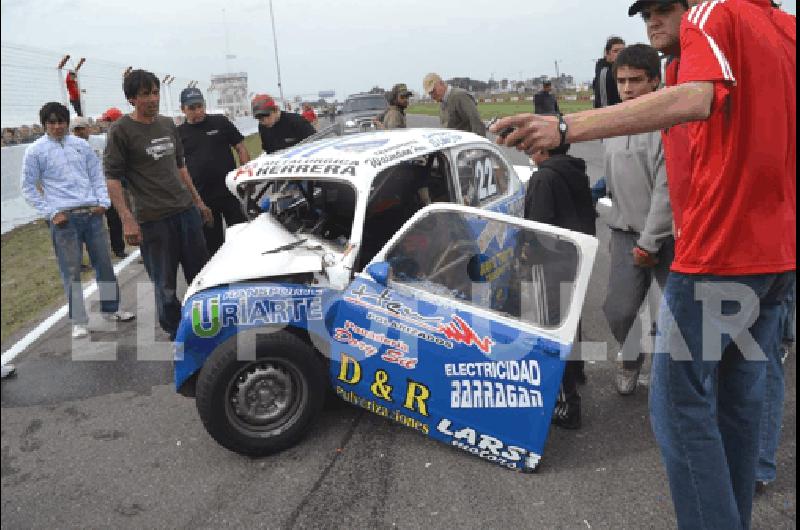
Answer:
[(228, 92)]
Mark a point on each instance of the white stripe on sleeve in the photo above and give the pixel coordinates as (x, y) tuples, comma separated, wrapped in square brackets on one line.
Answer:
[(708, 13), (721, 59)]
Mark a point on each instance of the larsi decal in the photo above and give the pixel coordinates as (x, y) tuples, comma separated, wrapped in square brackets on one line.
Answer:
[(201, 327), (488, 447), (459, 331)]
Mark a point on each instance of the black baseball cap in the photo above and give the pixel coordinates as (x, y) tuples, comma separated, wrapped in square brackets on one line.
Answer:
[(639, 4), (191, 95)]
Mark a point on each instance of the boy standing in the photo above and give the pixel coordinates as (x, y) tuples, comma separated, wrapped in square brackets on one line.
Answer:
[(641, 244)]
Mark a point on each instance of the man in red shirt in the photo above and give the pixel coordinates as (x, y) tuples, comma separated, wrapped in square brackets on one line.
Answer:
[(733, 192), (309, 114), (74, 92)]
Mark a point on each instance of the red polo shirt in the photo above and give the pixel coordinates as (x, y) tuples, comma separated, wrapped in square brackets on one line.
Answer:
[(734, 194), (72, 88)]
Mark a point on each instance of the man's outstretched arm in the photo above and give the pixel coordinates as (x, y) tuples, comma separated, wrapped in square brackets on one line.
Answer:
[(652, 112)]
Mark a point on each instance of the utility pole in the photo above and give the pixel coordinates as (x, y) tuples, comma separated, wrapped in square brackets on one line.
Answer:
[(275, 43), (228, 55)]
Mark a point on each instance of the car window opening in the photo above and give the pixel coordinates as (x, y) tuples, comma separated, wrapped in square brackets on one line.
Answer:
[(397, 194)]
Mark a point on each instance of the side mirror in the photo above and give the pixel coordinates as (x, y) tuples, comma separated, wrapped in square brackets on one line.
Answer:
[(379, 272)]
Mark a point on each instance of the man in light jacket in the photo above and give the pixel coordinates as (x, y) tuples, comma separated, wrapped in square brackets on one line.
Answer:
[(642, 246)]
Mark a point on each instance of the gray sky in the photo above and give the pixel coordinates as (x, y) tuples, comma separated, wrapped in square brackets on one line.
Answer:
[(346, 45)]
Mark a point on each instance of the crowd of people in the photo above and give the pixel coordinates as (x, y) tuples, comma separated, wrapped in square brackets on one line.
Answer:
[(701, 177)]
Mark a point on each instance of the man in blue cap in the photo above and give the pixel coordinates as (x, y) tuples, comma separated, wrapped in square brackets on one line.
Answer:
[(207, 140)]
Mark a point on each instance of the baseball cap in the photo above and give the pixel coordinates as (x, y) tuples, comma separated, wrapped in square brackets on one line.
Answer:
[(191, 95), (78, 122), (639, 4), (112, 114), (262, 104), (429, 81)]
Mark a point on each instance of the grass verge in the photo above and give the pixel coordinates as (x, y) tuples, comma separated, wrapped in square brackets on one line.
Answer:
[(502, 109), (30, 277)]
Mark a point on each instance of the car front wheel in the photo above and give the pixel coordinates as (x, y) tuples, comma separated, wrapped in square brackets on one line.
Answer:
[(261, 406)]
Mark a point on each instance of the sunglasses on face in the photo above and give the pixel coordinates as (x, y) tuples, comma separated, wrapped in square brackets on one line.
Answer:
[(264, 115)]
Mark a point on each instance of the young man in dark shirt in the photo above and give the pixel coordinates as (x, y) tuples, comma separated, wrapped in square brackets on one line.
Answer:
[(604, 84), (558, 194), (207, 140), (145, 149), (278, 130), (544, 102)]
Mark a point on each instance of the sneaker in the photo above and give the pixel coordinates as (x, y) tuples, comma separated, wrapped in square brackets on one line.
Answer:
[(119, 316), (79, 331), (626, 381), (785, 352), (761, 487), (9, 370)]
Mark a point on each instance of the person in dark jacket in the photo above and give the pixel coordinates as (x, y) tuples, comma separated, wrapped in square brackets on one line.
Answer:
[(604, 85), (544, 102), (558, 194), (278, 130)]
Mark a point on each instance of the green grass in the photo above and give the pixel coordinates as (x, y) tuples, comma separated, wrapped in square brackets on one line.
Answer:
[(253, 145), (502, 109), (30, 277)]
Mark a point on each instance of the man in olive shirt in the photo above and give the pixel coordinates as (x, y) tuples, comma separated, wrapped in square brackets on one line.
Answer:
[(395, 117), (146, 150), (458, 110)]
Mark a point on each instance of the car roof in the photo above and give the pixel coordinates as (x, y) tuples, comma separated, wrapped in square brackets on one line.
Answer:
[(357, 158)]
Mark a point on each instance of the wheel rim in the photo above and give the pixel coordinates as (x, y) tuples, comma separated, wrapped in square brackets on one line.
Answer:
[(265, 396)]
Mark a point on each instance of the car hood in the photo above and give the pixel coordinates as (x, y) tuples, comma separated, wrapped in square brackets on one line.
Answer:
[(261, 248)]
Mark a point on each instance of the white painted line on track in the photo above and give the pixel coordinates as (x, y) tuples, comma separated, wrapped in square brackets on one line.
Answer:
[(20, 346)]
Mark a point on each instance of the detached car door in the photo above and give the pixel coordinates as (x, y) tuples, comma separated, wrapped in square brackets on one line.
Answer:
[(459, 326)]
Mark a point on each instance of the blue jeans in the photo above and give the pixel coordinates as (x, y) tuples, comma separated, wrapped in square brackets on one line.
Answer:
[(705, 405), (68, 240), (174, 240), (772, 414)]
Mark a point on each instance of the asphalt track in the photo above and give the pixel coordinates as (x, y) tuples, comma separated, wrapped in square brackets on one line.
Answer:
[(89, 443)]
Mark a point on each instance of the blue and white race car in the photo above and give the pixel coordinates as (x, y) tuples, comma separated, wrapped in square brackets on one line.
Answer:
[(393, 270)]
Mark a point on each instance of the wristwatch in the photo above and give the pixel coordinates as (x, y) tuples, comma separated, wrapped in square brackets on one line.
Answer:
[(562, 129)]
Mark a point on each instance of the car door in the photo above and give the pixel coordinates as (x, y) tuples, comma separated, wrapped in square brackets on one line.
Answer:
[(418, 339)]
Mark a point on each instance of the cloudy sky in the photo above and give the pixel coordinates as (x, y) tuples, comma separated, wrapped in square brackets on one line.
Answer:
[(346, 45)]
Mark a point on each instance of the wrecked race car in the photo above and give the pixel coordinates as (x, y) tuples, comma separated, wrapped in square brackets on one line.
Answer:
[(393, 270)]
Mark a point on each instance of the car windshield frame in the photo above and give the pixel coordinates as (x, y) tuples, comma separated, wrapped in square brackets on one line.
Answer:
[(301, 197), (362, 104)]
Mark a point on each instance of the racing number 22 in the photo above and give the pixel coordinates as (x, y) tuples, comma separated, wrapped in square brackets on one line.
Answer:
[(484, 174)]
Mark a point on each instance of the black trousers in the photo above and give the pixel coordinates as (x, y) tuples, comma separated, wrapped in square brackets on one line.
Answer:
[(225, 206), (115, 231), (76, 104)]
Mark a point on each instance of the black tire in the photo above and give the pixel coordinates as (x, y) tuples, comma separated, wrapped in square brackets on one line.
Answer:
[(286, 371)]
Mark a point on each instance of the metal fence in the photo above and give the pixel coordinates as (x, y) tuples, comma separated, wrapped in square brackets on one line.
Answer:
[(30, 77)]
